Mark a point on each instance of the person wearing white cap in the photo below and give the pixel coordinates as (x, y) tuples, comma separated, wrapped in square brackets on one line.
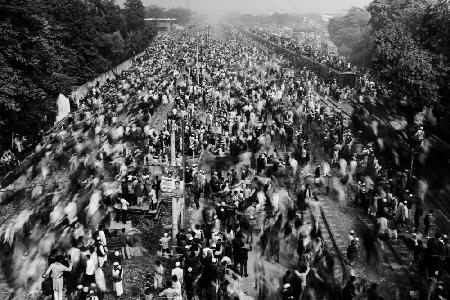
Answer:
[(117, 274), (402, 213), (165, 244), (351, 235), (85, 292), (178, 272), (92, 295), (124, 209), (117, 257), (77, 294), (189, 284)]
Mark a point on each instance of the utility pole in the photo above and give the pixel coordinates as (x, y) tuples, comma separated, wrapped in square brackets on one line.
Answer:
[(172, 145), (196, 65), (413, 155), (183, 202)]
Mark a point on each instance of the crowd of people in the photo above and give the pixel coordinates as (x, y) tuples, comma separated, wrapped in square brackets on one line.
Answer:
[(244, 199), (365, 90), (332, 60), (11, 158), (253, 128), (58, 234)]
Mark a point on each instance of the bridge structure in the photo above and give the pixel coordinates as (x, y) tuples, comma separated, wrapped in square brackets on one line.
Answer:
[(162, 24)]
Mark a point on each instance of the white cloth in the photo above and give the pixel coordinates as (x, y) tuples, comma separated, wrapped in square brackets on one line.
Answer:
[(90, 266), (117, 286), (124, 204), (179, 273)]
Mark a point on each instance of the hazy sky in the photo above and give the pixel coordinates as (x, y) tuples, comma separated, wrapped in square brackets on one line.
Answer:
[(218, 7)]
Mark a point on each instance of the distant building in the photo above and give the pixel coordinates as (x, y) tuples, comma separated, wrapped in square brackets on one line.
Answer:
[(162, 24), (326, 18)]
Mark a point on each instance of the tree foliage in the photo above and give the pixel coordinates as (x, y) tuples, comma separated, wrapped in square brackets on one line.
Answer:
[(350, 34), (405, 66), (406, 45), (49, 46), (411, 49)]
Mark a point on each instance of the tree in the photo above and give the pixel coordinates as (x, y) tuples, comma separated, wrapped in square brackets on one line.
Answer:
[(155, 11), (350, 34), (435, 36), (134, 14), (408, 12), (412, 43), (405, 66), (49, 46)]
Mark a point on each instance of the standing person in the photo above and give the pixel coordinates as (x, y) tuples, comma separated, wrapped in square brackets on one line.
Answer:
[(157, 186), (189, 284), (159, 272), (153, 198), (124, 245), (418, 213), (90, 270), (352, 252), (124, 209), (176, 284), (245, 248), (304, 271), (117, 274), (165, 244), (177, 271), (349, 291), (102, 236), (101, 252), (196, 192), (428, 222), (170, 292), (236, 251), (56, 271)]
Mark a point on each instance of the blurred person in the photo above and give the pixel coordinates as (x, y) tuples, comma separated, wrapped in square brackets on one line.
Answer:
[(117, 275), (56, 271), (159, 272), (124, 247)]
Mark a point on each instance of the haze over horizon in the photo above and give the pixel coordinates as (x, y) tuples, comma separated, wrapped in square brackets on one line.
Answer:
[(221, 7)]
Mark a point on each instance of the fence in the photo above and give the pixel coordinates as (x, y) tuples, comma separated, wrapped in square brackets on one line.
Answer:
[(82, 90)]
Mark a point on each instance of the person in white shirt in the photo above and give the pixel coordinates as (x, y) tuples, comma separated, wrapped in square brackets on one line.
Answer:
[(303, 275), (90, 270), (165, 244), (55, 271), (71, 210), (176, 285), (102, 236), (101, 252), (159, 272), (124, 209), (117, 274), (177, 271)]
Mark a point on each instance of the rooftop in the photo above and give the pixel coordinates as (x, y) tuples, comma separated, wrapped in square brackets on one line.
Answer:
[(160, 19)]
